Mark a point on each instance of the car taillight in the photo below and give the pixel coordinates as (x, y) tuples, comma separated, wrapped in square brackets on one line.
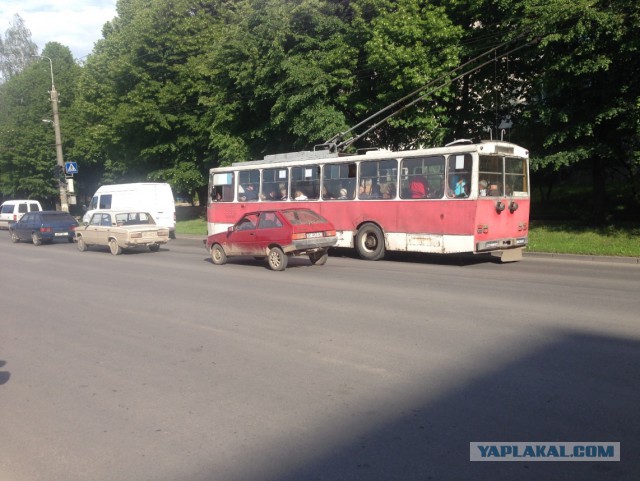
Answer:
[(73, 227), (136, 235), (45, 229), (329, 233), (15, 218), (299, 236)]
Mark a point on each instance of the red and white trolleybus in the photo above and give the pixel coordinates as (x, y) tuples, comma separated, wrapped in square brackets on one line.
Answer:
[(463, 197)]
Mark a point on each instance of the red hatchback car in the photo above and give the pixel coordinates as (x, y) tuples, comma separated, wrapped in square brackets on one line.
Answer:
[(275, 235)]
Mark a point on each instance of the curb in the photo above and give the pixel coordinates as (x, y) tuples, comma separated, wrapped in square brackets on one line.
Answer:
[(584, 258), (542, 255)]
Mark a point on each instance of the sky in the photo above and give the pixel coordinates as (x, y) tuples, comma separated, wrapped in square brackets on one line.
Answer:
[(76, 24)]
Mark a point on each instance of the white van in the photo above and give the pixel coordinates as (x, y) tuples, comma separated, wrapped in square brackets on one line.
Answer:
[(155, 198), (13, 210)]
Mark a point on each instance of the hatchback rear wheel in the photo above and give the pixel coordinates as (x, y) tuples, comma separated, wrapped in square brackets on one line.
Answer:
[(277, 259), (37, 240), (319, 258)]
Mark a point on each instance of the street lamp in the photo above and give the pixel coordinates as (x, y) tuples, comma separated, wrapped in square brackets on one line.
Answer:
[(64, 204)]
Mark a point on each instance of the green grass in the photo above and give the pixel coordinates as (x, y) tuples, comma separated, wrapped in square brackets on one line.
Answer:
[(568, 238), (192, 227), (553, 237)]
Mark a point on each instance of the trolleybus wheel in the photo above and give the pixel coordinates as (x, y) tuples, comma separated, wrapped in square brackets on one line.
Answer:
[(218, 257), (277, 259), (370, 242)]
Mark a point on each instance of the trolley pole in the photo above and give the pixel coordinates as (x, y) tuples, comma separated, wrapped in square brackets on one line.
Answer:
[(64, 204)]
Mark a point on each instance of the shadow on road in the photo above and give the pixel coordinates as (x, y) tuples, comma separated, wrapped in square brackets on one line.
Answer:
[(4, 375), (576, 388)]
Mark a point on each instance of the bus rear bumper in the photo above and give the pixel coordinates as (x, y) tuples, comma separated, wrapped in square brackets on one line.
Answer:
[(502, 244)]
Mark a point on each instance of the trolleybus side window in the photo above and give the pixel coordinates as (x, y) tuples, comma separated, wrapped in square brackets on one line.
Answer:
[(248, 185), (459, 175), (222, 187), (275, 183), (377, 177), (305, 182), (422, 177), (339, 181)]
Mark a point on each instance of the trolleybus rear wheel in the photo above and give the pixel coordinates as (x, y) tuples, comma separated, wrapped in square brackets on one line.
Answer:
[(370, 242)]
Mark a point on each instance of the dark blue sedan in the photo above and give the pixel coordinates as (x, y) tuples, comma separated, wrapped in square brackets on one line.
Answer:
[(45, 226)]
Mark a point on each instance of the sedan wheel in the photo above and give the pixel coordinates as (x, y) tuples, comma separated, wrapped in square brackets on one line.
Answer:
[(14, 237), (37, 240), (81, 245), (154, 247), (218, 257), (277, 259), (114, 247)]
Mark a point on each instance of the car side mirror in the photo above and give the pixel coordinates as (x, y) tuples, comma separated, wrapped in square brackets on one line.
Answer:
[(85, 223), (232, 228)]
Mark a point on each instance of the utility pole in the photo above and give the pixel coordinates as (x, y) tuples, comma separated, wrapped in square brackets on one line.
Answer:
[(64, 204)]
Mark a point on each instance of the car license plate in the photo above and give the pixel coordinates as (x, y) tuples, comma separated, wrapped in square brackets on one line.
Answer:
[(314, 234), (60, 234)]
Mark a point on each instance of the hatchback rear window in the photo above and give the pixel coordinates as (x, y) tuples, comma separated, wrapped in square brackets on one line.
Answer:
[(303, 217), (56, 217)]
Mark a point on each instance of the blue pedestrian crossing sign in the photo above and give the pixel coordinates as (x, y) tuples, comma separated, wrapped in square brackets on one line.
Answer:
[(71, 167)]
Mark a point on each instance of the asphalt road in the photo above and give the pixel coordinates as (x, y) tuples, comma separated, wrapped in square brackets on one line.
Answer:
[(164, 367)]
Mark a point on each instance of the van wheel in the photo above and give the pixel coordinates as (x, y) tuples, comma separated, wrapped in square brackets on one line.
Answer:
[(81, 245), (218, 257), (319, 258), (154, 247), (14, 237), (370, 242), (37, 240), (277, 259), (114, 247)]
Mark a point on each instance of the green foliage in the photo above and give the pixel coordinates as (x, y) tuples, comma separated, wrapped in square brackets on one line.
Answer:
[(28, 155), (16, 50), (176, 87), (566, 238)]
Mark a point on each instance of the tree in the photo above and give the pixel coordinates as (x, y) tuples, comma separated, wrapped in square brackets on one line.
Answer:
[(585, 105), (403, 46), (28, 155), (17, 50)]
